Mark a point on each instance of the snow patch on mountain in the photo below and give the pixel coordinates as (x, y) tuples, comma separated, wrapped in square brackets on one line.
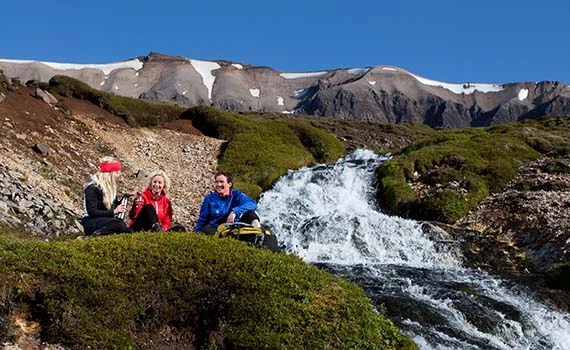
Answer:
[(298, 94), (466, 88), (357, 71), (254, 92), (302, 75), (107, 68), (205, 68)]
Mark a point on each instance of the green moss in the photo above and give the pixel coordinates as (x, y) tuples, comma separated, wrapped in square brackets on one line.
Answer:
[(260, 150), (134, 111), (458, 167), (105, 292), (558, 276), (47, 172)]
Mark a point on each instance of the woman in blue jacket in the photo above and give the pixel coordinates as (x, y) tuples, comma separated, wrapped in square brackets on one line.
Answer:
[(225, 205)]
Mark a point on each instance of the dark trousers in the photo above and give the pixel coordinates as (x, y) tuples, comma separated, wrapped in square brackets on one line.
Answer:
[(146, 218), (104, 226), (246, 218)]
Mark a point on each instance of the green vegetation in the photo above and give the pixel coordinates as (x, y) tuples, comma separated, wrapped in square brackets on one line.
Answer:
[(558, 276), (458, 168), (260, 150), (134, 111), (4, 82), (377, 136), (110, 292)]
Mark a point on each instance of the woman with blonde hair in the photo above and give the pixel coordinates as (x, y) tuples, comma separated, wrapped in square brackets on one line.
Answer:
[(152, 210), (100, 203)]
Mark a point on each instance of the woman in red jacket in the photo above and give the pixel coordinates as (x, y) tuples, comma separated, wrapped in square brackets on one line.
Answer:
[(152, 210)]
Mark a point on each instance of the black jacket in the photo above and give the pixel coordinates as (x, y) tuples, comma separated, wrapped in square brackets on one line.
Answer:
[(93, 206)]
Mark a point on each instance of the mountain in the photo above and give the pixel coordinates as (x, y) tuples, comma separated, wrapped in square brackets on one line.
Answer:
[(381, 93)]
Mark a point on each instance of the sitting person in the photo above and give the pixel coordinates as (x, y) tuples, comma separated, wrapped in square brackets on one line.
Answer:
[(152, 209), (100, 204), (225, 205)]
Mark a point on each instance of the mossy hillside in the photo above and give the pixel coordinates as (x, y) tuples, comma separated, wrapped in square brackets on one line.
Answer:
[(260, 150), (547, 135), (134, 111), (461, 167), (377, 136), (374, 135), (105, 292)]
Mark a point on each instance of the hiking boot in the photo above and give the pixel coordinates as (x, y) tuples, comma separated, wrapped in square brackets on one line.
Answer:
[(156, 227), (98, 232)]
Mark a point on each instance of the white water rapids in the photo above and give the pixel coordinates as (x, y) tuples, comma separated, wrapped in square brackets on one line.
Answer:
[(325, 215)]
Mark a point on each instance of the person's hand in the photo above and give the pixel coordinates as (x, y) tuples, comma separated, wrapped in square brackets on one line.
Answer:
[(121, 208), (138, 198), (231, 217)]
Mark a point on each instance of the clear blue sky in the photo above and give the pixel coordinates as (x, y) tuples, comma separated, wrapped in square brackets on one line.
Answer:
[(497, 41)]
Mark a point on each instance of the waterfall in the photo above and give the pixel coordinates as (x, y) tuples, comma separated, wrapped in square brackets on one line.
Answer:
[(326, 215)]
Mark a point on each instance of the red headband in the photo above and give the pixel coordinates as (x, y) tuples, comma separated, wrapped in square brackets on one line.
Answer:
[(109, 167)]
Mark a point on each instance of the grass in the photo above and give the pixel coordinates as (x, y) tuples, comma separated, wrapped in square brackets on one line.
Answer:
[(105, 292), (461, 167), (260, 150), (134, 111)]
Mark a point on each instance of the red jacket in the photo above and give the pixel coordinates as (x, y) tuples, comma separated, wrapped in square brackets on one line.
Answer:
[(161, 204)]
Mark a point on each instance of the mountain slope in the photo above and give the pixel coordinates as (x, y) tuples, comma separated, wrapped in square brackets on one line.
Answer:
[(382, 93), (49, 151)]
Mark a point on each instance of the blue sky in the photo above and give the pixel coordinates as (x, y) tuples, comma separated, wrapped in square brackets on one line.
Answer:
[(498, 41)]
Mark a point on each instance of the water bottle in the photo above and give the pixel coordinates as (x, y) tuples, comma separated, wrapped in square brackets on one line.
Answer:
[(124, 201)]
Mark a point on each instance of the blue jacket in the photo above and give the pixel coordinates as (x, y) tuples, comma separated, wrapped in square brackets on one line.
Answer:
[(215, 208)]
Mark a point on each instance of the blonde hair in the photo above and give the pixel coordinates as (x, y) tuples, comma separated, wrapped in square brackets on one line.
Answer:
[(106, 182), (161, 173)]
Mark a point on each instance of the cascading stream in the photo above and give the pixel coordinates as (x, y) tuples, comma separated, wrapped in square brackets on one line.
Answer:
[(325, 215)]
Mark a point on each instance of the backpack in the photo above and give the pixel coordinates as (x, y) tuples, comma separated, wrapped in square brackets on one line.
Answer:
[(257, 236)]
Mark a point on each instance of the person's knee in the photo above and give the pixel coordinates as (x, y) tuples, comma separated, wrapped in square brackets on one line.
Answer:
[(249, 216)]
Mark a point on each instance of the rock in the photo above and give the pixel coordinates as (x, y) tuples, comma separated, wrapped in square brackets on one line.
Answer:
[(531, 214), (45, 96), (41, 149)]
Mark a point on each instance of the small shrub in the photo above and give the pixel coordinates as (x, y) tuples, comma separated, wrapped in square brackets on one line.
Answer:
[(558, 276), (478, 161), (444, 206), (135, 112), (557, 166)]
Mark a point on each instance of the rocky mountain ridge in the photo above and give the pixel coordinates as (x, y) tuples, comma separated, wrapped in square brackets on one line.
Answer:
[(382, 93)]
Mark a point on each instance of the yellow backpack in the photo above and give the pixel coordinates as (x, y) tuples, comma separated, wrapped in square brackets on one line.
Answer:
[(258, 236)]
